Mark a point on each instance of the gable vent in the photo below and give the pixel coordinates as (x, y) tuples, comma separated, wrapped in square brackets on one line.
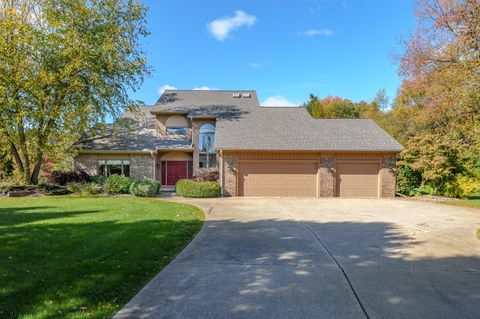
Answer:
[(246, 95), (236, 95)]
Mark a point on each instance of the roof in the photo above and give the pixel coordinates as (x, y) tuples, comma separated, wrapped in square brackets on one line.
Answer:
[(293, 129), (242, 124), (134, 132), (205, 103)]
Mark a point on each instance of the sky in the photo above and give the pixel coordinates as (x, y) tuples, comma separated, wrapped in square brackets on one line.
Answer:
[(284, 50)]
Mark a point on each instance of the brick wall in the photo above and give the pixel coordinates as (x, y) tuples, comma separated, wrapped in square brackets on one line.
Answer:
[(87, 163), (141, 166), (327, 177), (230, 175), (388, 176)]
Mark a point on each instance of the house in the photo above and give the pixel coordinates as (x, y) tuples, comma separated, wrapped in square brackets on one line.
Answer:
[(258, 151)]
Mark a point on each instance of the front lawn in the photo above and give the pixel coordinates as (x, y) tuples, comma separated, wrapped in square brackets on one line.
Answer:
[(85, 257)]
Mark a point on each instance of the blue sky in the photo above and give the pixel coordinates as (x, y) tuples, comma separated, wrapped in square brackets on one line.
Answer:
[(283, 49)]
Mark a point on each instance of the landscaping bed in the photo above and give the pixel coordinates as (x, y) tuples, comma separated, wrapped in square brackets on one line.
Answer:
[(85, 257)]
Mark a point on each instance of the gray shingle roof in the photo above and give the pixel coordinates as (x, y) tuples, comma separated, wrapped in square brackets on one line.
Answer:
[(292, 128), (242, 125), (134, 133), (206, 103)]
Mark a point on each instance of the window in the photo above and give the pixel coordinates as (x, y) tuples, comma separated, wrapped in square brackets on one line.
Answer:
[(177, 130), (110, 167), (206, 141), (176, 125)]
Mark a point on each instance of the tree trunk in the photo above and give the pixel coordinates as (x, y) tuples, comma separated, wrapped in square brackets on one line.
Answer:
[(36, 169), (16, 156)]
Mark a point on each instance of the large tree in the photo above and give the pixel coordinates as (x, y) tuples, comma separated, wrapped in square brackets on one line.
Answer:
[(65, 66), (437, 113)]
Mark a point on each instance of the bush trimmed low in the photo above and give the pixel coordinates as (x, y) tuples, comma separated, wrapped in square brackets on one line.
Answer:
[(74, 187), (91, 189), (117, 184), (145, 188), (189, 188)]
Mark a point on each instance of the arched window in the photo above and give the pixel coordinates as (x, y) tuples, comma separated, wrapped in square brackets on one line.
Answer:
[(206, 140)]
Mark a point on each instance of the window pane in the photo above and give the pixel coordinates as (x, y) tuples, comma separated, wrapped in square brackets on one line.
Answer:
[(212, 158), (202, 161), (126, 162), (115, 169), (126, 170), (177, 130), (102, 171), (207, 128), (101, 162), (206, 142)]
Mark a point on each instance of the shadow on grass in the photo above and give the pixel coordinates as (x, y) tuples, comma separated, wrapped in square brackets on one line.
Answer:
[(58, 270), (278, 269)]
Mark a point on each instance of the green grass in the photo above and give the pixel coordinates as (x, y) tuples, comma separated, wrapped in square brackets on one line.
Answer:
[(85, 257), (472, 202), (478, 233)]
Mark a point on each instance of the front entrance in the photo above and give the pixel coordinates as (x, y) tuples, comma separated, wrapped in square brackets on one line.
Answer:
[(174, 171)]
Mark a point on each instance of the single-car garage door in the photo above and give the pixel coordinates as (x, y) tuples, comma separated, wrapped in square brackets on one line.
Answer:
[(356, 179), (282, 178)]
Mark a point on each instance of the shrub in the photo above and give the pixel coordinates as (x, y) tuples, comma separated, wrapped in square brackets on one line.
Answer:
[(145, 188), (461, 186), (189, 188), (91, 189), (50, 189), (408, 180), (74, 187), (63, 178), (98, 179), (116, 184), (207, 175)]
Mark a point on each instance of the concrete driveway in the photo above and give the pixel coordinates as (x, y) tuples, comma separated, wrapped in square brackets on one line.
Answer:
[(321, 258)]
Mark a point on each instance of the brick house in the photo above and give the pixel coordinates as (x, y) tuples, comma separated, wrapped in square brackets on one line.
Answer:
[(257, 151)]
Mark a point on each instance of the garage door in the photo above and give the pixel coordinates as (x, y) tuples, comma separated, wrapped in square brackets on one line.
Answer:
[(286, 178), (357, 179)]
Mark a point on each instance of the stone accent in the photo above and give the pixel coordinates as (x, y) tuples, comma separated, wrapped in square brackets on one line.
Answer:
[(230, 175), (87, 163), (141, 166), (388, 176), (327, 177)]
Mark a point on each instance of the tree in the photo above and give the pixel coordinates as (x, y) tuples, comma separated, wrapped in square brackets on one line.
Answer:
[(437, 111), (331, 107), (65, 66)]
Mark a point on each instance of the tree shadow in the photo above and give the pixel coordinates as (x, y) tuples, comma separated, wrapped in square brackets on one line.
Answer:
[(12, 216), (284, 269)]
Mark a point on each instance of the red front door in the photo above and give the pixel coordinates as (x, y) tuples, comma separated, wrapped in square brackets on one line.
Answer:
[(176, 170)]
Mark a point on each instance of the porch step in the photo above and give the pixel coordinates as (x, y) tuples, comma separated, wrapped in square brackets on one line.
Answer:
[(167, 189)]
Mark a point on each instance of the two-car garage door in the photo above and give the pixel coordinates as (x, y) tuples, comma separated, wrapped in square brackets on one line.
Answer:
[(300, 178)]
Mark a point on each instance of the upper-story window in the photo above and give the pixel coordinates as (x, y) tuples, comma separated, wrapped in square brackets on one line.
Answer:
[(176, 125), (206, 140)]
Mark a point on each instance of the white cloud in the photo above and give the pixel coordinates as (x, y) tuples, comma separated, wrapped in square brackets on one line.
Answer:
[(203, 88), (315, 32), (165, 87), (256, 65), (278, 101), (221, 28)]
